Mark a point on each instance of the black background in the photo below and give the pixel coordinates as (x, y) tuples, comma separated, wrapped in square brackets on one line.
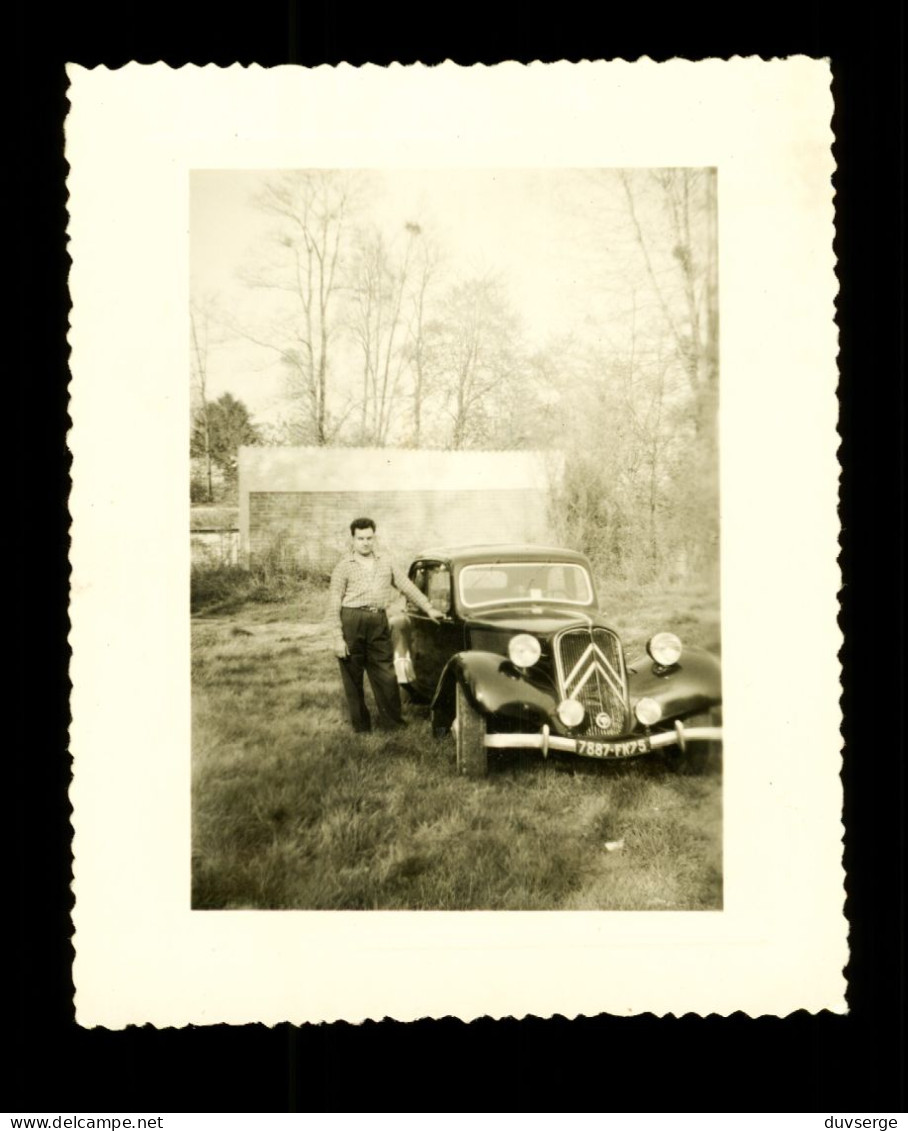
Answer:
[(822, 1063)]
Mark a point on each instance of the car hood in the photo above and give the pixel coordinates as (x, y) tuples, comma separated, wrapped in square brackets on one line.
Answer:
[(539, 619)]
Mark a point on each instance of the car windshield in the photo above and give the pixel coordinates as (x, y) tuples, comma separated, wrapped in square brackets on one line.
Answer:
[(524, 581)]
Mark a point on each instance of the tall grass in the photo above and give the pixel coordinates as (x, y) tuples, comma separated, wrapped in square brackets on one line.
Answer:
[(276, 575), (291, 810)]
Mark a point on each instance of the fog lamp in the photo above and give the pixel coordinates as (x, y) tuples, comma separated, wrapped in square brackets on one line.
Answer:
[(665, 648), (647, 711), (571, 712), (524, 650)]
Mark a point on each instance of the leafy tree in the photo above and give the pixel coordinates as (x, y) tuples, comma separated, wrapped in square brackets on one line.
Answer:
[(221, 426)]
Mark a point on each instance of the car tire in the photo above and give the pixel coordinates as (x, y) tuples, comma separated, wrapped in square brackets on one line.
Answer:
[(469, 737)]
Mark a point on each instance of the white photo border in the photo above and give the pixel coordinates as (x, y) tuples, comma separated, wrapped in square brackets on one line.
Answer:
[(142, 955)]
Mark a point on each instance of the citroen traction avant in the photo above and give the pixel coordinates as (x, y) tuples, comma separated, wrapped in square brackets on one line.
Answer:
[(524, 659)]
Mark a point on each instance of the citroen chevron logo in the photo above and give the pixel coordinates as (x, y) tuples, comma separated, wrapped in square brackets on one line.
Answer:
[(592, 660)]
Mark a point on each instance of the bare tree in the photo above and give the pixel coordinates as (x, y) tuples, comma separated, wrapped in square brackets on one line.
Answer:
[(688, 295), (377, 326), (622, 419), (647, 503), (476, 346), (428, 260), (313, 209), (201, 317)]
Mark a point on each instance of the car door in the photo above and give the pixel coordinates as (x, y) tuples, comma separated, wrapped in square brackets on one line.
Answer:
[(432, 643)]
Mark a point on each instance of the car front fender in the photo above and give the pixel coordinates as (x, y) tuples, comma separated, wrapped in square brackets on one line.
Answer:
[(493, 686), (692, 685)]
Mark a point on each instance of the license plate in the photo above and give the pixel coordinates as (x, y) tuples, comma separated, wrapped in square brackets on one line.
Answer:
[(626, 749)]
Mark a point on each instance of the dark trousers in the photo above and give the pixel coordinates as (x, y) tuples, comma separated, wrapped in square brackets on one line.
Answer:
[(368, 639)]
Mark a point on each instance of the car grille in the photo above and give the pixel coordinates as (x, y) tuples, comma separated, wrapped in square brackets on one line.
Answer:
[(591, 669)]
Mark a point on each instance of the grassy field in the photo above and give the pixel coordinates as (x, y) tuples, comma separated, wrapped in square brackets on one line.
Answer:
[(291, 810)]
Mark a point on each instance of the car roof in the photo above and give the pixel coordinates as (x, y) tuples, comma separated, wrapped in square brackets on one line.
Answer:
[(501, 552)]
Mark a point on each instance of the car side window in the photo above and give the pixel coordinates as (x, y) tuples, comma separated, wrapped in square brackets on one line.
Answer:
[(438, 588), (434, 580), (418, 575)]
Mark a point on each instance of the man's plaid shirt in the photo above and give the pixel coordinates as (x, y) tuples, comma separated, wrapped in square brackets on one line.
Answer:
[(354, 585)]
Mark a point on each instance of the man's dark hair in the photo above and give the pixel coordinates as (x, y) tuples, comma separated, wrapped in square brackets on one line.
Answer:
[(361, 524)]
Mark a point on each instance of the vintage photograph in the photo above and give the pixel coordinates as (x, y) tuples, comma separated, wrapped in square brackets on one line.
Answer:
[(454, 476), (454, 525)]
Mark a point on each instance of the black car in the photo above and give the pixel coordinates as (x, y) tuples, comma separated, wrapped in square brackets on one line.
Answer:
[(524, 659)]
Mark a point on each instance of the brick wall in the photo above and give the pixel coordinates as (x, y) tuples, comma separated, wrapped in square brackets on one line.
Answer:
[(317, 523)]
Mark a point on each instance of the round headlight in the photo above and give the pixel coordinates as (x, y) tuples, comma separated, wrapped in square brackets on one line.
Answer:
[(571, 712), (647, 711), (665, 648), (524, 650)]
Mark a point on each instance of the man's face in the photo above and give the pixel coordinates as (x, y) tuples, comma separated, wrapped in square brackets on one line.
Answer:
[(363, 541)]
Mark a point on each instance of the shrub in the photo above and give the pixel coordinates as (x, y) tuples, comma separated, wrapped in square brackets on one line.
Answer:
[(278, 574), (218, 587)]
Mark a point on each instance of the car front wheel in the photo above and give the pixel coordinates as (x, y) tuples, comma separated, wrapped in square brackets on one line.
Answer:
[(469, 737)]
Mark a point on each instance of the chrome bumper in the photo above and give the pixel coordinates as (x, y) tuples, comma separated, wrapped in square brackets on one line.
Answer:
[(545, 741)]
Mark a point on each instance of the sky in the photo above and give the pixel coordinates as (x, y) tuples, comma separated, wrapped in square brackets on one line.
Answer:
[(544, 231)]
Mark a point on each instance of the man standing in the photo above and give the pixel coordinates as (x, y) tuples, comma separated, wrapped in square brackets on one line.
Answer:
[(360, 589)]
